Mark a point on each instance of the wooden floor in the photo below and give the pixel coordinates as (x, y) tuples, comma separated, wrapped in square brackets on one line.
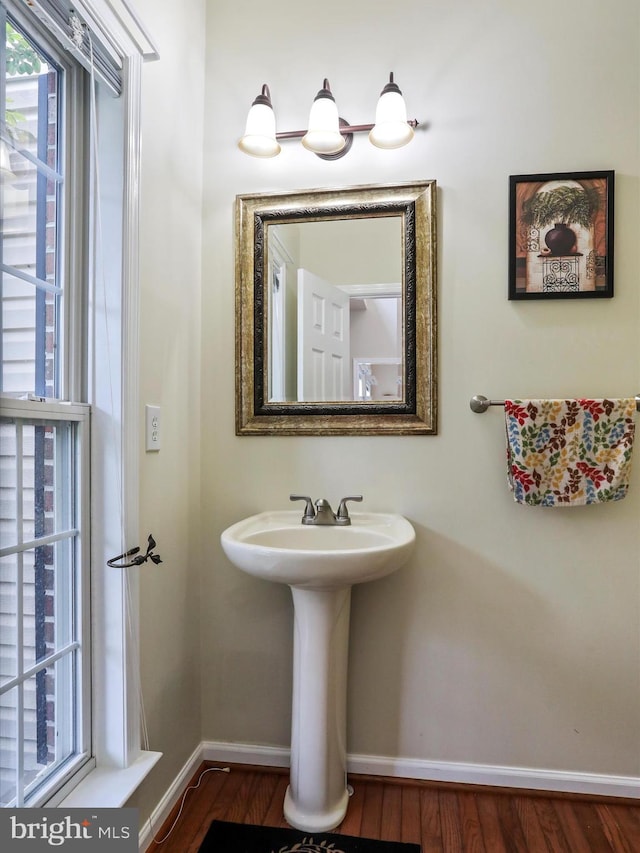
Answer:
[(442, 818)]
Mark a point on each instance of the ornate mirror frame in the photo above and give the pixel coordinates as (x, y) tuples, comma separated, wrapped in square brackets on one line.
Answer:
[(416, 414)]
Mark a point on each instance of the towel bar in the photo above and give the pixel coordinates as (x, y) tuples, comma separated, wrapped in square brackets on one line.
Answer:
[(480, 404)]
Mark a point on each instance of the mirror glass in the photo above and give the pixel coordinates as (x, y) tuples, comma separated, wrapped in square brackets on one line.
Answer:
[(335, 299), (334, 291)]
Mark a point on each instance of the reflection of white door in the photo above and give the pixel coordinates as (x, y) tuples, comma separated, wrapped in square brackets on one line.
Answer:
[(323, 340)]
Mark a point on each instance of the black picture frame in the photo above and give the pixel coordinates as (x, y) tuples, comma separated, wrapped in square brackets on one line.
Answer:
[(546, 262)]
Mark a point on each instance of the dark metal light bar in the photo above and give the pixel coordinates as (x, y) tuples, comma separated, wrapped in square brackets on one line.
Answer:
[(344, 129)]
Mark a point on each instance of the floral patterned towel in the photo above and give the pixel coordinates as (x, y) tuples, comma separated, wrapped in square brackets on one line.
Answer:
[(569, 452)]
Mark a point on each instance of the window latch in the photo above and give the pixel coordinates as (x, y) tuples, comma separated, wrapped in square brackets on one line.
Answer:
[(138, 559)]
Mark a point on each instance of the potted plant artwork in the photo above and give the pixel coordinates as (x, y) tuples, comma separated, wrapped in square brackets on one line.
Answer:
[(562, 206), (561, 235)]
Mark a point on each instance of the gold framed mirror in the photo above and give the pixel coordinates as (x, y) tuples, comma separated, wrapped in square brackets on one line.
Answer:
[(336, 328)]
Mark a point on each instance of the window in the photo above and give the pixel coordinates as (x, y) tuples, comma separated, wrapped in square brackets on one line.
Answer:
[(44, 430), (73, 337)]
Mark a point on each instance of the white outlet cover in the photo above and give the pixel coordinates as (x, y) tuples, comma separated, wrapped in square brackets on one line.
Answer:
[(153, 428)]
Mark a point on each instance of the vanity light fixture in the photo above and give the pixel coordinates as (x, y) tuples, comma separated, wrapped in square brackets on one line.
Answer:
[(391, 130), (259, 138), (328, 135), (323, 135)]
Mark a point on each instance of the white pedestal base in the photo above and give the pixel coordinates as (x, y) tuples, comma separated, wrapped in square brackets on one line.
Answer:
[(314, 822), (317, 796)]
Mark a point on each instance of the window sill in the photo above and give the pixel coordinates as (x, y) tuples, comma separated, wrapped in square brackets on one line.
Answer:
[(110, 787)]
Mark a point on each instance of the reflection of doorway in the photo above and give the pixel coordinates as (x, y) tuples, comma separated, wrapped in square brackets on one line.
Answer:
[(377, 333), (377, 379), (323, 340)]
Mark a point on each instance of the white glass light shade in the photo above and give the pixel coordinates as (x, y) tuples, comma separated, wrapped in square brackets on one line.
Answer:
[(259, 138), (391, 129), (323, 131)]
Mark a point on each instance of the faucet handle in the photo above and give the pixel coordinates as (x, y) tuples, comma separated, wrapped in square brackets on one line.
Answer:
[(309, 511), (342, 516)]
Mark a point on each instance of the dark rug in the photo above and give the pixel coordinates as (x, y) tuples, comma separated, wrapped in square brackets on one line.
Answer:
[(224, 837)]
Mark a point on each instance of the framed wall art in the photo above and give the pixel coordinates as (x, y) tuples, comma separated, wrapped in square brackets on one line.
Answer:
[(561, 235)]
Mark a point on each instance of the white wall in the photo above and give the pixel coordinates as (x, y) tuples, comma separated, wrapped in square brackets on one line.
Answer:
[(171, 246), (362, 251), (512, 637)]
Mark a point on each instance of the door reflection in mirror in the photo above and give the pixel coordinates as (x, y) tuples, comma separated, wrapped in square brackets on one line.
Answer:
[(377, 379), (335, 305)]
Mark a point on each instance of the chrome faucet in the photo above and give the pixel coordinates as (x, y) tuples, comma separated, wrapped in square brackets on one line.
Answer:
[(323, 514)]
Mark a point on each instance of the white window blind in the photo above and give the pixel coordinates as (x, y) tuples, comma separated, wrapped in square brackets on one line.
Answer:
[(97, 33)]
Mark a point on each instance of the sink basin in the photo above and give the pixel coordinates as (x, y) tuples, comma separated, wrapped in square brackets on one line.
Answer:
[(275, 546), (320, 564)]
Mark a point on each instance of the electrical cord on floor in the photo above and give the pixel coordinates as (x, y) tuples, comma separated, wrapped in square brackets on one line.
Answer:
[(184, 796)]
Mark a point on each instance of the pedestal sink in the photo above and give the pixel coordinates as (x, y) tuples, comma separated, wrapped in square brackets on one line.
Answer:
[(320, 564)]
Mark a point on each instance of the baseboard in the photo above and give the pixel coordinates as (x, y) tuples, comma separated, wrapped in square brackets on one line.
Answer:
[(442, 771), (163, 809), (245, 753), (405, 768), (501, 777)]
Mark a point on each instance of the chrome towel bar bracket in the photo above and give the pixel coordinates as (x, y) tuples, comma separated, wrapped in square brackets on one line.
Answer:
[(480, 404)]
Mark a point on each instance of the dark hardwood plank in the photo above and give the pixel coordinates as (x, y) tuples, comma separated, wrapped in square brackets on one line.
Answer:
[(550, 825), (238, 807), (490, 824), (576, 838), (450, 822), (430, 821), (261, 798), (217, 810), (591, 826), (510, 824), (613, 831), (530, 823), (372, 811), (275, 815), (629, 819), (411, 827), (391, 822), (472, 841)]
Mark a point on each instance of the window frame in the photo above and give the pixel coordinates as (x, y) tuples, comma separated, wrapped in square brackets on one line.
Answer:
[(118, 762), (78, 414), (70, 382), (73, 128)]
